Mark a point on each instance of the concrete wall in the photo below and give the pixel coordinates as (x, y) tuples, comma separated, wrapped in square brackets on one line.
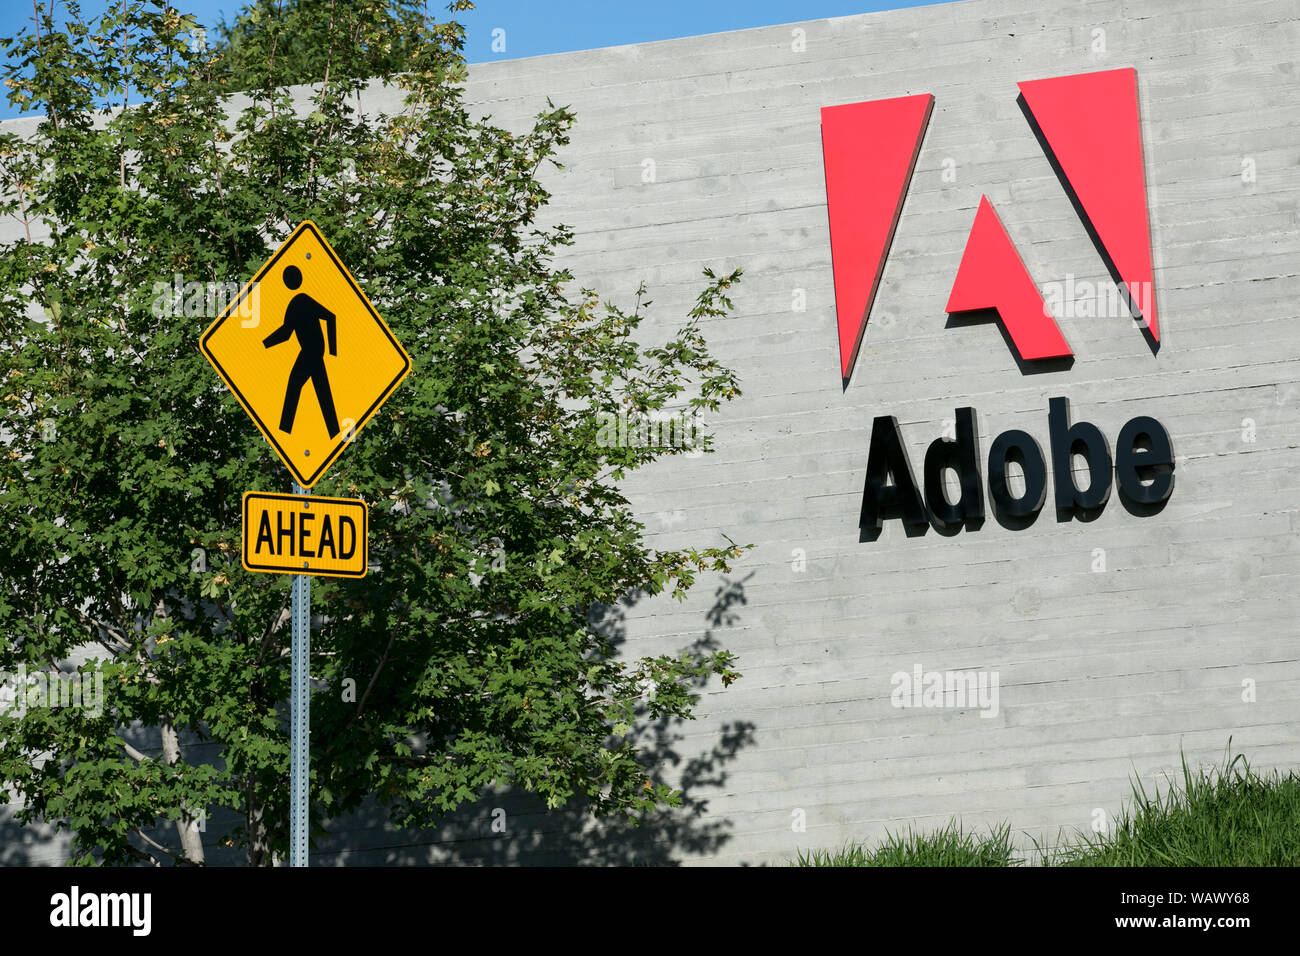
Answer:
[(1103, 674)]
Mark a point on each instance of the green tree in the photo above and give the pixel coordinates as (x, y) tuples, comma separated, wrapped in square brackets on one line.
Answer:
[(372, 38), (498, 530)]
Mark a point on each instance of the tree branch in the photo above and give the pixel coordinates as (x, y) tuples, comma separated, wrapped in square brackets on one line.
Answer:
[(361, 704), (135, 754), (161, 849)]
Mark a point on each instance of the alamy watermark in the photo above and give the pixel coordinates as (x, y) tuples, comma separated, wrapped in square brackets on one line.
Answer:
[(208, 300), (1085, 299), (654, 430), (960, 689), (23, 690), (74, 908)]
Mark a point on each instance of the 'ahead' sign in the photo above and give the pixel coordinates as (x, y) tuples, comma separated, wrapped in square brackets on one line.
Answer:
[(298, 534)]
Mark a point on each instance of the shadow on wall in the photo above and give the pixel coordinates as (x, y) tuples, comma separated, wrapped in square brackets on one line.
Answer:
[(35, 845), (514, 827)]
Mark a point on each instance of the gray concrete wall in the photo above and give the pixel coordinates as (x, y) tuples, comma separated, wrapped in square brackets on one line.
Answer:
[(1105, 675)]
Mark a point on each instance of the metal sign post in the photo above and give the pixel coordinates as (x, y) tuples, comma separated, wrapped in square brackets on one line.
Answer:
[(300, 713), (299, 289)]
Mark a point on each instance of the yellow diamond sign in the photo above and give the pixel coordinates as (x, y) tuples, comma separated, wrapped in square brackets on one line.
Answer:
[(306, 354)]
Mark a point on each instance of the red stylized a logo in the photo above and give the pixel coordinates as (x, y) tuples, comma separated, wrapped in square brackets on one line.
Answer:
[(991, 276), (1089, 127), (870, 150)]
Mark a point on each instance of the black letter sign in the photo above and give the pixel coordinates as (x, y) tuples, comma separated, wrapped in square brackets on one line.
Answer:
[(963, 457), (1135, 464), (1065, 439), (1019, 446), (880, 499)]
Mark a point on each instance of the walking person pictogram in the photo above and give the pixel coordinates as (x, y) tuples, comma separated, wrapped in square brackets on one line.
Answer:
[(303, 318)]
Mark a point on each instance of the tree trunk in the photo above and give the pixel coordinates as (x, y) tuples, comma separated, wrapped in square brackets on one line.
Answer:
[(259, 847), (187, 825)]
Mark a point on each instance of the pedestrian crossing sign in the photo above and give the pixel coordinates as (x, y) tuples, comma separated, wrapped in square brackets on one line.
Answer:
[(306, 354)]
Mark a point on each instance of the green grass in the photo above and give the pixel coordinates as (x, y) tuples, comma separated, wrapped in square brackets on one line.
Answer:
[(1225, 817), (1232, 817), (950, 846)]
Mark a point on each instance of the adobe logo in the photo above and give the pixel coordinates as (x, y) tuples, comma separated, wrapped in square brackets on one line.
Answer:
[(1087, 124)]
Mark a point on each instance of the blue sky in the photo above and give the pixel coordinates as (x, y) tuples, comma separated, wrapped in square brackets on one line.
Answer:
[(534, 27)]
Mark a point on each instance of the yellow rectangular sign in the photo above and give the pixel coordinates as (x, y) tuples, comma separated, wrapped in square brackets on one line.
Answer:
[(305, 534)]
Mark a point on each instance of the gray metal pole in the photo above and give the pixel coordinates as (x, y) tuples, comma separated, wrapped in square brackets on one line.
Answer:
[(300, 712)]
